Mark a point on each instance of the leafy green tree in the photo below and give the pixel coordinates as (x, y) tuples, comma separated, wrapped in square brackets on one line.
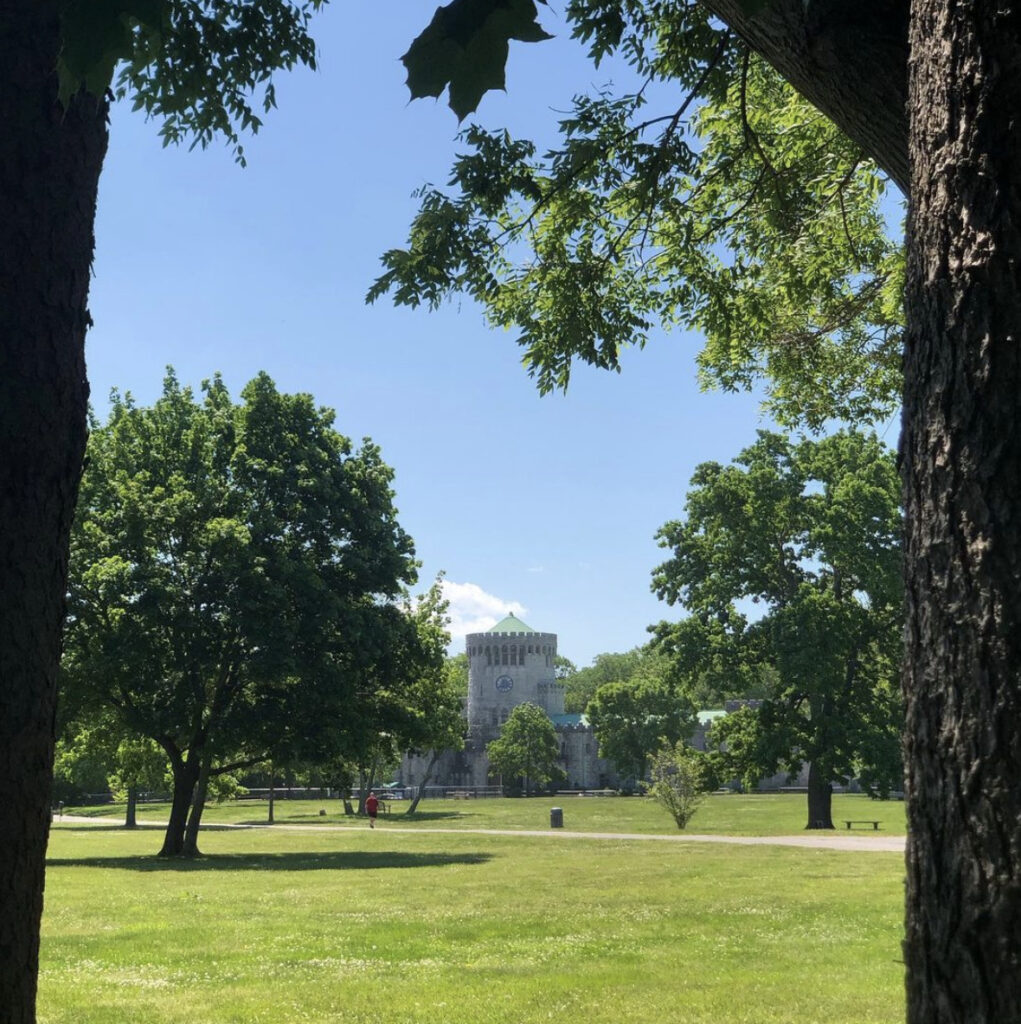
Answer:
[(564, 668), (103, 756), (82, 763), (633, 720), (681, 778), (139, 764), (233, 571), (527, 749), (404, 700), (810, 533), (443, 725), (736, 212), (581, 686)]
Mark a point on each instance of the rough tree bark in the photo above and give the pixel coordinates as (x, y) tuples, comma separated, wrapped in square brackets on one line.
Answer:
[(820, 798), (131, 811), (49, 168), (957, 155), (186, 773), (961, 452), (198, 805), (848, 58)]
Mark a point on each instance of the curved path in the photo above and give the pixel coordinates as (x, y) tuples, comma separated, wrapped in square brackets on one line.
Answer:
[(810, 840), (861, 843)]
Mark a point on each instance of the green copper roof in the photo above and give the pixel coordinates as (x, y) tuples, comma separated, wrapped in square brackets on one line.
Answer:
[(569, 719), (709, 715), (511, 624)]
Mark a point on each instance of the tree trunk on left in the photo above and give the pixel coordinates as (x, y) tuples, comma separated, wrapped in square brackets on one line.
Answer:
[(50, 160)]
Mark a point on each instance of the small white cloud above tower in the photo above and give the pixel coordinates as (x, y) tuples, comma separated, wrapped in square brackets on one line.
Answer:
[(473, 610)]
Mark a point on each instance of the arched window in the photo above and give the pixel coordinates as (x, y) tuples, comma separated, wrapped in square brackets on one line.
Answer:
[(514, 654), (503, 655), (503, 716), (489, 656)]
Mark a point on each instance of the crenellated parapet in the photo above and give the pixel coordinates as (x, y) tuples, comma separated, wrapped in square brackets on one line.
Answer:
[(509, 665)]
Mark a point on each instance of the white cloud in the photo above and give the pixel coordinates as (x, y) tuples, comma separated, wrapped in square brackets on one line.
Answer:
[(472, 610)]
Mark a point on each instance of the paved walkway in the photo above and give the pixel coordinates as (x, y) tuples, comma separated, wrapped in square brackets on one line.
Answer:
[(861, 843)]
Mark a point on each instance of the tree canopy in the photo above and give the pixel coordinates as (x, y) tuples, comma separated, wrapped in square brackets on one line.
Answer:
[(581, 685), (711, 196), (233, 575), (527, 748), (790, 558), (634, 719)]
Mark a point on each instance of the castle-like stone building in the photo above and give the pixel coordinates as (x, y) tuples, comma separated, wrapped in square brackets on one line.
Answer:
[(507, 666)]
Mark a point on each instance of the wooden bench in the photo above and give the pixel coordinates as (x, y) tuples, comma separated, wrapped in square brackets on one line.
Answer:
[(862, 821)]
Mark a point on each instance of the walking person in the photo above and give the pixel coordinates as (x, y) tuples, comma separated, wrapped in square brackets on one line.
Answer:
[(371, 808)]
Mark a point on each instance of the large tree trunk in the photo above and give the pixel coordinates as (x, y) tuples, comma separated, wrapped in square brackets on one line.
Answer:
[(131, 811), (820, 798), (962, 470), (49, 167), (848, 57), (186, 773), (198, 805)]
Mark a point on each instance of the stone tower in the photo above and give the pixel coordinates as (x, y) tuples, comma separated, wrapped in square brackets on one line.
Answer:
[(508, 665)]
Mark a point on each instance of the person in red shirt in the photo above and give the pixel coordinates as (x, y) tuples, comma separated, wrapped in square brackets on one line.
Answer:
[(371, 808)]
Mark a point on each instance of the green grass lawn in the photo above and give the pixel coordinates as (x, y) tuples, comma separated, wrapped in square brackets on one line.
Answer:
[(394, 927), (733, 814)]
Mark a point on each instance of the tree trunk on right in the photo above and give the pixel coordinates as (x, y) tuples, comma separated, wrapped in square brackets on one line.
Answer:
[(961, 451)]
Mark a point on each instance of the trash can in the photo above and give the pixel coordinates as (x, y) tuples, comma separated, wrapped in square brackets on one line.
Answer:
[(556, 817)]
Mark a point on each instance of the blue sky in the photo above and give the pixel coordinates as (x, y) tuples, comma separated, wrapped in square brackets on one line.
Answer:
[(544, 506)]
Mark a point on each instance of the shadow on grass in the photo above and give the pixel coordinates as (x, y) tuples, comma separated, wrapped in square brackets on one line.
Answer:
[(330, 861)]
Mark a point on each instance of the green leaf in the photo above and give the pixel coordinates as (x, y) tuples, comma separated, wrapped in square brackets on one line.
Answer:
[(97, 34), (464, 48)]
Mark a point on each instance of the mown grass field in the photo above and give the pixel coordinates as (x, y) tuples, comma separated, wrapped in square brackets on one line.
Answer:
[(393, 927), (730, 814)]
